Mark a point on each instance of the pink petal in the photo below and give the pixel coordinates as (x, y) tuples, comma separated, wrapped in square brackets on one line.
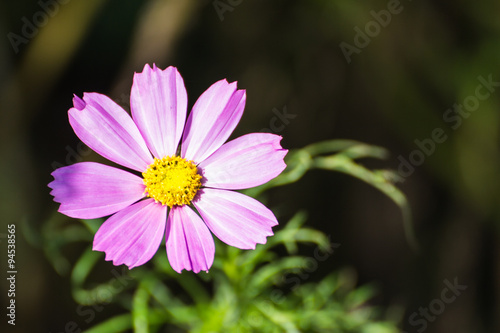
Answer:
[(212, 120), (247, 161), (107, 129), (159, 103), (78, 102), (234, 218), (190, 245), (90, 190), (133, 235)]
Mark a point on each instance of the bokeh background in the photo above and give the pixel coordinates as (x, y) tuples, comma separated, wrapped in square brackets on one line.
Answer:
[(394, 87)]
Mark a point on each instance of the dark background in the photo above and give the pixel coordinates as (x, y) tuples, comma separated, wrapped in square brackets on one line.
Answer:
[(394, 90)]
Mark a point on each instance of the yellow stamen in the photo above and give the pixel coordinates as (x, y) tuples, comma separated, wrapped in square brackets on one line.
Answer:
[(172, 181)]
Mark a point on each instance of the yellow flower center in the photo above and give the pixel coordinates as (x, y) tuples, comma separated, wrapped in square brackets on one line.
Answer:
[(172, 181)]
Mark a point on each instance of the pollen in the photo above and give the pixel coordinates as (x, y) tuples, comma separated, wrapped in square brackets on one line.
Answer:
[(171, 181)]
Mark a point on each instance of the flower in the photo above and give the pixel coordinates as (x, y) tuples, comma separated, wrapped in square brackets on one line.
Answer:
[(185, 190)]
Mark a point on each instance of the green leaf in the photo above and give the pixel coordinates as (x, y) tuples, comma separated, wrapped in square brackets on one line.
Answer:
[(344, 164), (116, 324), (140, 308), (265, 276)]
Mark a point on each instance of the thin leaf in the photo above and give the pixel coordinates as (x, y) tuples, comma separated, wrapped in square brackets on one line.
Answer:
[(345, 165)]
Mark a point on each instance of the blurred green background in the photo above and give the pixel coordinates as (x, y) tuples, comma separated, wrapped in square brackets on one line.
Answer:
[(402, 75)]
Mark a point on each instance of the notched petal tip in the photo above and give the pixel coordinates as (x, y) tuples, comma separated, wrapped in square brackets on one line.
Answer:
[(147, 67), (280, 150), (115, 262), (225, 84), (78, 103), (195, 270), (154, 68)]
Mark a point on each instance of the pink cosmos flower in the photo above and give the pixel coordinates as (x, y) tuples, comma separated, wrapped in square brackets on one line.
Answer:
[(198, 173)]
